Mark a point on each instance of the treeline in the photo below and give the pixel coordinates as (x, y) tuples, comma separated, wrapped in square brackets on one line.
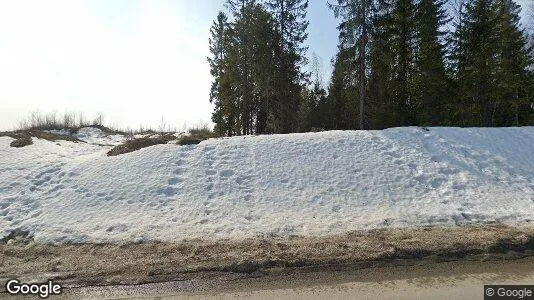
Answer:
[(257, 59), (400, 63)]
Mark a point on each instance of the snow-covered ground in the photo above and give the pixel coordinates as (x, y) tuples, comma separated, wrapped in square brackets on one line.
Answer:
[(277, 185)]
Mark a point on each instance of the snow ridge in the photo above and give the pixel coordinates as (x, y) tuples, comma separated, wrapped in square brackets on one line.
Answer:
[(277, 185)]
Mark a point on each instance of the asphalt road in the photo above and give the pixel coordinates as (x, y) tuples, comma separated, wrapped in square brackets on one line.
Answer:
[(449, 280)]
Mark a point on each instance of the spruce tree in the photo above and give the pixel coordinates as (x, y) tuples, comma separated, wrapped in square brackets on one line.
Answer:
[(381, 111), (403, 45), (241, 64), (430, 78), (312, 96), (243, 43), (513, 62), (264, 85), (493, 65), (291, 24), (356, 16), (342, 107), (478, 43), (218, 49)]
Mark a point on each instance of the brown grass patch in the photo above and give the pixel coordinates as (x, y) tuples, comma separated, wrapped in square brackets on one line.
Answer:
[(24, 137), (139, 143), (196, 135), (189, 140), (152, 262)]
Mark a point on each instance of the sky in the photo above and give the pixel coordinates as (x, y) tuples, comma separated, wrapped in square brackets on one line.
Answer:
[(137, 62)]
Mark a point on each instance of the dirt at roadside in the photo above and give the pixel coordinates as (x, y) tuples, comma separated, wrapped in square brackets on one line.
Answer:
[(104, 264)]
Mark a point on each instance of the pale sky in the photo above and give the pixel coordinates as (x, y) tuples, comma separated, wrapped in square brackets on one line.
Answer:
[(135, 61)]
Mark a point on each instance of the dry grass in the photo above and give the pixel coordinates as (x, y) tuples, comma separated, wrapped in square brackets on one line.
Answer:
[(36, 125), (136, 263), (53, 121), (139, 143), (196, 135), (70, 122), (24, 137), (189, 140)]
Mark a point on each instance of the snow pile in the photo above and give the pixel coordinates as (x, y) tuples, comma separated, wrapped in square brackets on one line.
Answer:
[(278, 185), (94, 135)]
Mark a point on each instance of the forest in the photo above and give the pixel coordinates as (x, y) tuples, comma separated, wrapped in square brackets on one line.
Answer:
[(465, 63)]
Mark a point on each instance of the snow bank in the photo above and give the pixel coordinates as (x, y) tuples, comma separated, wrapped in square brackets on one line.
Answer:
[(278, 185)]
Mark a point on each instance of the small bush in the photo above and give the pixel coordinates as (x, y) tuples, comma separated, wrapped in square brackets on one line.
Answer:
[(202, 131), (21, 142), (196, 135), (189, 140)]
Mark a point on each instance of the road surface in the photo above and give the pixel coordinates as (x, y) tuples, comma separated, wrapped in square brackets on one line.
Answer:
[(448, 280)]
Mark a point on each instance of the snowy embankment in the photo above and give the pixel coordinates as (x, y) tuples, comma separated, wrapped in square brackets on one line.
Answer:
[(278, 185)]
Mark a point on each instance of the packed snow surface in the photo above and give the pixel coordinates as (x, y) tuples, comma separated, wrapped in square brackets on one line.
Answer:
[(276, 185)]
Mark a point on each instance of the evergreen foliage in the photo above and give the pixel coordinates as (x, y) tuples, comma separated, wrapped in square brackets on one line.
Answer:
[(399, 63)]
